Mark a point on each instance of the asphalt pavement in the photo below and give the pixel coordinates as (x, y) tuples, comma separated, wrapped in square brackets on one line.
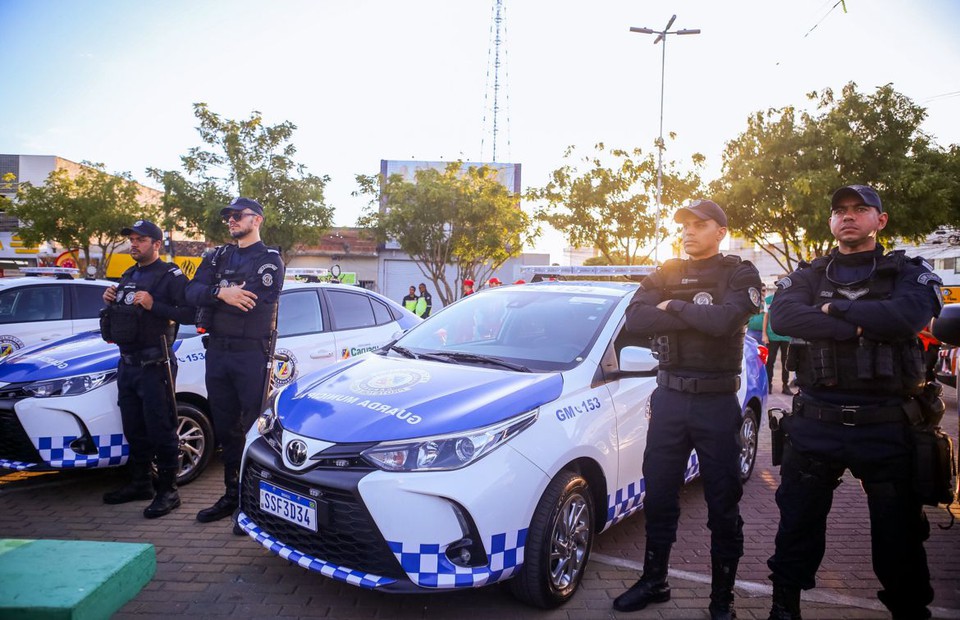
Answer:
[(204, 571)]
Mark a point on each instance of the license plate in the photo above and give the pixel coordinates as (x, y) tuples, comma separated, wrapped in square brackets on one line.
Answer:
[(289, 506)]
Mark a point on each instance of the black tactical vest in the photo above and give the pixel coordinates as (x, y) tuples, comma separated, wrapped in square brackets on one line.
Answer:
[(860, 365), (131, 327), (692, 349), (229, 322)]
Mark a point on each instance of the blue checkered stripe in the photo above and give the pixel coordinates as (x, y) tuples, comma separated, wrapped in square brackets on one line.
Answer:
[(111, 450), (16, 465), (427, 564), (627, 501), (353, 577)]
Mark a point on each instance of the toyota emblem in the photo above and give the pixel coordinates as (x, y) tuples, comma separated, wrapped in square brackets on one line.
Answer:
[(297, 452)]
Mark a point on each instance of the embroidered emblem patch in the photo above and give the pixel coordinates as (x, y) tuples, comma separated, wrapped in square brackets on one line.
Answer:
[(703, 298), (755, 296)]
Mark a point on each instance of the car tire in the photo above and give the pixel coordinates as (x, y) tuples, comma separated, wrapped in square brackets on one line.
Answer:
[(196, 441), (748, 438), (558, 543)]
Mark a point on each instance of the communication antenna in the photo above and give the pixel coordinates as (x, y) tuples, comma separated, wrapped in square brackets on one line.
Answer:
[(497, 64)]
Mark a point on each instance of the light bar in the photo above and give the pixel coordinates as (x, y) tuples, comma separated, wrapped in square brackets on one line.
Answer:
[(49, 271), (588, 270)]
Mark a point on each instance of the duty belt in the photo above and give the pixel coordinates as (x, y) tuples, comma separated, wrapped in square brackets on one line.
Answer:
[(237, 344), (697, 385), (143, 357), (851, 415)]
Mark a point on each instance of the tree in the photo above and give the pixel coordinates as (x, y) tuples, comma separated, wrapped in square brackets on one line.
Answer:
[(458, 216), (613, 209), (80, 211), (246, 158), (779, 174)]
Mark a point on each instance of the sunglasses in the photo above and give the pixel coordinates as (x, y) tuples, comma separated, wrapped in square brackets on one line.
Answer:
[(235, 216)]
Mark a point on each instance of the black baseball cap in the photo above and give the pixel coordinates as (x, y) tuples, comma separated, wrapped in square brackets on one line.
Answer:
[(705, 210), (145, 228), (865, 193), (240, 203)]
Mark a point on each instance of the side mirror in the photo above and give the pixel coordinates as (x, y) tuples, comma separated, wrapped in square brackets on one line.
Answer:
[(637, 359)]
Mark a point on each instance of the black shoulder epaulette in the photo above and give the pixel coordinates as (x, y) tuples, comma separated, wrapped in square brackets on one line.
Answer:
[(820, 263), (731, 259), (273, 250), (671, 264)]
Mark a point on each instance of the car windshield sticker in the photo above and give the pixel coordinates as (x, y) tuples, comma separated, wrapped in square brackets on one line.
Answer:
[(284, 371)]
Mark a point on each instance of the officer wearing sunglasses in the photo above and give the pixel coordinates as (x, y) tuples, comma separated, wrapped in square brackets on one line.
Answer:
[(237, 288)]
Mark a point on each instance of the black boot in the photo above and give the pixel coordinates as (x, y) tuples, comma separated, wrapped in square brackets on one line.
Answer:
[(652, 587), (721, 589), (140, 486), (786, 603), (903, 609), (167, 497), (227, 504)]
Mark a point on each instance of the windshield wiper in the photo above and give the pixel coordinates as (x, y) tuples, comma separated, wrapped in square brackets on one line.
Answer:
[(482, 359), (403, 351)]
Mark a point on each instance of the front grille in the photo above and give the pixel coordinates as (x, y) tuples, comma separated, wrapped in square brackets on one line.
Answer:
[(347, 537), (15, 444)]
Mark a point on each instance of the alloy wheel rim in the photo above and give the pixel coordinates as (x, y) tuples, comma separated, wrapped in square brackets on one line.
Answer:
[(192, 444), (748, 444), (569, 542)]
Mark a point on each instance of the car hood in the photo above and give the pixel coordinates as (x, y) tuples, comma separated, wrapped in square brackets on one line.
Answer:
[(378, 398), (79, 354)]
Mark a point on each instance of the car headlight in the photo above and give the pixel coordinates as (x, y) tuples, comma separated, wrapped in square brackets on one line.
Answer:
[(70, 386), (446, 452)]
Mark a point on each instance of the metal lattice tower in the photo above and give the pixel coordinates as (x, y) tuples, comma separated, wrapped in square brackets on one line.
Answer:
[(497, 62)]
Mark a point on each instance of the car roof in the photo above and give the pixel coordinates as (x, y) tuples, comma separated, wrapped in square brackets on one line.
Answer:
[(591, 287), (37, 280)]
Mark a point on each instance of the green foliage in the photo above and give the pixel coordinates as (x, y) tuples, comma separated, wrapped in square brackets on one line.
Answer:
[(80, 211), (779, 174), (246, 158), (458, 216), (611, 203)]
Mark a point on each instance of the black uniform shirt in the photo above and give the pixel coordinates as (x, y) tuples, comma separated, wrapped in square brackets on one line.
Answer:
[(167, 285)]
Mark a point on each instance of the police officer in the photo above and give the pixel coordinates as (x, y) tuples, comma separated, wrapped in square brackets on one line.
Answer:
[(853, 316), (424, 302), (237, 288), (696, 311), (141, 317)]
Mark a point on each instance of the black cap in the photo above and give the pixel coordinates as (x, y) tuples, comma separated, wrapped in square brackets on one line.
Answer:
[(705, 210), (145, 228), (240, 203), (865, 193)]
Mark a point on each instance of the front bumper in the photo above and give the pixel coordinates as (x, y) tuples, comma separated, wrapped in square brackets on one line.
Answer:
[(397, 532)]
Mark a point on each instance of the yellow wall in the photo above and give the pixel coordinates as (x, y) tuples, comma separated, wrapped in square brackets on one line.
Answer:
[(121, 262)]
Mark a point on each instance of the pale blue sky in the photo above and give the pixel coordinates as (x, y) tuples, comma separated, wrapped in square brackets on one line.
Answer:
[(113, 81)]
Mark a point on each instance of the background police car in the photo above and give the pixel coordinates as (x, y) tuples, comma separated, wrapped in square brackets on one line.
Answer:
[(58, 400), (42, 308), (416, 468)]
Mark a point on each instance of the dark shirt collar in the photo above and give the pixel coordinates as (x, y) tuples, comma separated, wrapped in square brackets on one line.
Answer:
[(857, 258), (705, 263)]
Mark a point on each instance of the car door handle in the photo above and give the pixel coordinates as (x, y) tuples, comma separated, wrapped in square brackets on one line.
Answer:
[(320, 353), (50, 337)]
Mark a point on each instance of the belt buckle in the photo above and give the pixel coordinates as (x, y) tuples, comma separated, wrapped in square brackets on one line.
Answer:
[(847, 416), (688, 384)]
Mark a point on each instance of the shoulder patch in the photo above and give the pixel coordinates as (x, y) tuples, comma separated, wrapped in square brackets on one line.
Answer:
[(755, 296), (784, 283), (928, 277), (273, 251)]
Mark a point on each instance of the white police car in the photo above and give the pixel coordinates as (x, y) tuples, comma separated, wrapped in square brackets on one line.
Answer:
[(37, 309), (495, 440), (58, 401)]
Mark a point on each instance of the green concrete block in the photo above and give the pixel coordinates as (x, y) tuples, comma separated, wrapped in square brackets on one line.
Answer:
[(71, 579)]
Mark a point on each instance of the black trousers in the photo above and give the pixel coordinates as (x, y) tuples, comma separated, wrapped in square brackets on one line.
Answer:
[(149, 421), (679, 423), (234, 382), (879, 455), (773, 347)]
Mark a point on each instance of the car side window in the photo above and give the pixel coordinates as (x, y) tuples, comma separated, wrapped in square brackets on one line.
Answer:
[(381, 312), (87, 301), (350, 310), (31, 303), (299, 313)]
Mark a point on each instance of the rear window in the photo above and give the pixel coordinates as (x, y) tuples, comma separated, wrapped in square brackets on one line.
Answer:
[(350, 310)]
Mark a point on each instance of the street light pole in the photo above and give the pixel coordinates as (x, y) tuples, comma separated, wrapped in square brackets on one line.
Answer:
[(661, 36)]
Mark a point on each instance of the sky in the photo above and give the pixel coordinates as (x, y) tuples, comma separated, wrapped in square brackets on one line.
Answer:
[(113, 81)]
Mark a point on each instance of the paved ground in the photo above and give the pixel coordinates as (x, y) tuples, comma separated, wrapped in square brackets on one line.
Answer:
[(205, 571)]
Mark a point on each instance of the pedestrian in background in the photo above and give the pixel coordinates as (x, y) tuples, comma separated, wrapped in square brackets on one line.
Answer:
[(775, 344), (142, 316), (696, 311), (854, 316), (410, 299), (467, 287), (239, 286), (424, 302)]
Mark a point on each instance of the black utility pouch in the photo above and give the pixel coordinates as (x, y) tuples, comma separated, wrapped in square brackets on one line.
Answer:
[(125, 323), (934, 466), (775, 417), (105, 325)]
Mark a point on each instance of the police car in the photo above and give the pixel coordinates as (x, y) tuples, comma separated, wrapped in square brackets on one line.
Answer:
[(37, 309), (58, 400), (494, 440)]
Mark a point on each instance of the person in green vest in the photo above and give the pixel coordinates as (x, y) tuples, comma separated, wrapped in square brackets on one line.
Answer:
[(775, 342), (424, 302), (410, 301)]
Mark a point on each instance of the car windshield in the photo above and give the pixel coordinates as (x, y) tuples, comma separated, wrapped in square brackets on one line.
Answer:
[(535, 329)]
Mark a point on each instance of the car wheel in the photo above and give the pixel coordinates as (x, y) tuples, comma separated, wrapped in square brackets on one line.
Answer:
[(558, 543), (196, 441), (748, 439)]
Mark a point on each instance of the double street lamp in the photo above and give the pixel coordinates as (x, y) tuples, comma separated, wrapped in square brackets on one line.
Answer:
[(661, 36)]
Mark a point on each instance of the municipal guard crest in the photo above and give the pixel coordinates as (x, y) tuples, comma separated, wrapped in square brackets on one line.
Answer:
[(128, 298), (267, 279), (703, 298), (853, 294), (755, 296)]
